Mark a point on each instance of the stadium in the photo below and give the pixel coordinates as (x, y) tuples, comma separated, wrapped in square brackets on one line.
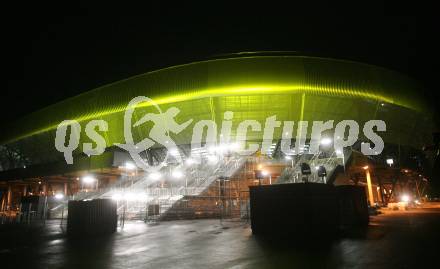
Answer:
[(213, 179)]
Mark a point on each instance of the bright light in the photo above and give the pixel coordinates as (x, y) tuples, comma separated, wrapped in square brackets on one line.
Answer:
[(130, 197), (155, 176), (390, 162), (212, 149), (174, 152), (317, 168), (265, 173), (222, 148), (234, 146), (288, 158), (326, 141), (405, 198), (365, 167), (59, 196), (143, 197), (212, 159), (189, 161), (129, 166), (88, 179), (177, 174), (338, 152), (117, 196)]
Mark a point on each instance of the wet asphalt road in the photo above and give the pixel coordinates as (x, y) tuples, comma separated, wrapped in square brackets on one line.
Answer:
[(395, 239)]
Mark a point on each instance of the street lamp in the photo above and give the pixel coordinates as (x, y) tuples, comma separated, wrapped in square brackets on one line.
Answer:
[(155, 176), (405, 198), (265, 174), (326, 141), (130, 166), (59, 196), (177, 174), (89, 180), (189, 161), (390, 162)]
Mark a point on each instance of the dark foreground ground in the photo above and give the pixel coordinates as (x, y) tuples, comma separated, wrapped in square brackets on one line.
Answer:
[(396, 239)]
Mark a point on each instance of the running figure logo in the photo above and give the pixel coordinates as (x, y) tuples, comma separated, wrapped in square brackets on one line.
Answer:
[(163, 124)]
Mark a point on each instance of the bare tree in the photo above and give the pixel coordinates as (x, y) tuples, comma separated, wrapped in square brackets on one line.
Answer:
[(11, 157)]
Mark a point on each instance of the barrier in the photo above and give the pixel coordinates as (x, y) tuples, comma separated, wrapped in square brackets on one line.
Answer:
[(353, 206), (300, 210), (94, 217), (306, 209)]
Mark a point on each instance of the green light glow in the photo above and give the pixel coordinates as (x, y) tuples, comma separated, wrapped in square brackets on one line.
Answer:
[(247, 76), (230, 91)]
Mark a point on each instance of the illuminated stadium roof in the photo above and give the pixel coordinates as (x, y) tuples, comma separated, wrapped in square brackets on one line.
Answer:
[(253, 87)]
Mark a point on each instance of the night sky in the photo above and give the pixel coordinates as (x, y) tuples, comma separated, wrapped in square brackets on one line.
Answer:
[(49, 56)]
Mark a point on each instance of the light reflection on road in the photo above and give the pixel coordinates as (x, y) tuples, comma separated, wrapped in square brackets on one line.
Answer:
[(394, 239)]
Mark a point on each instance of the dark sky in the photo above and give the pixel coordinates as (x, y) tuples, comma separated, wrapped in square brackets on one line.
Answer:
[(47, 58)]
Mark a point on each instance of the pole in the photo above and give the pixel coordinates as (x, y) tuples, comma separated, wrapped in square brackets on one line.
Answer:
[(123, 215), (370, 188), (3, 204), (9, 198), (381, 191), (62, 216), (45, 209), (18, 216), (343, 159), (29, 213)]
